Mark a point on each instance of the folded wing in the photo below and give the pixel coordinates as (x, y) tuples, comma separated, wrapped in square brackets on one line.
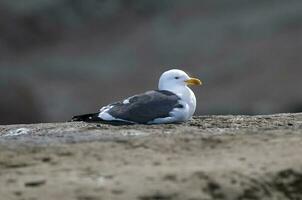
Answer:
[(143, 108)]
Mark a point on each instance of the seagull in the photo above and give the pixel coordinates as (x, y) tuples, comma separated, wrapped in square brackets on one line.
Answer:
[(173, 102)]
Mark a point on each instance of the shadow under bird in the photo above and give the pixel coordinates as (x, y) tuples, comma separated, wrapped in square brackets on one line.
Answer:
[(173, 102)]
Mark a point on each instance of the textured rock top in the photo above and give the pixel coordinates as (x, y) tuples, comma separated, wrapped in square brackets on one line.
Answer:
[(209, 157)]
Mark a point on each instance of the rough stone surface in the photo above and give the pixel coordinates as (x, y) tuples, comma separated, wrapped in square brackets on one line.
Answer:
[(210, 157)]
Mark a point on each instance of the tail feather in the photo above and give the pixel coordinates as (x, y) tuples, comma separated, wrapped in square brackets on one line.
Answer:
[(93, 117)]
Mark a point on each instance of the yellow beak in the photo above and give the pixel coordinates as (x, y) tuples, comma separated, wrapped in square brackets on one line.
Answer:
[(193, 81)]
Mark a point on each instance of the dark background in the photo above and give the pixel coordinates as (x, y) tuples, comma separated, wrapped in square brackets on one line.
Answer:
[(59, 58)]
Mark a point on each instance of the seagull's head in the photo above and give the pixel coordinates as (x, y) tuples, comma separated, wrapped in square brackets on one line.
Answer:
[(176, 78)]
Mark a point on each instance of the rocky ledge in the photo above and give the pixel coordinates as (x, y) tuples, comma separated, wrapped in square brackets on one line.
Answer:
[(210, 157)]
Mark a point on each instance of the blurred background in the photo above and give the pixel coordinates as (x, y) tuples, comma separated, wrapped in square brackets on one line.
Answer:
[(60, 58)]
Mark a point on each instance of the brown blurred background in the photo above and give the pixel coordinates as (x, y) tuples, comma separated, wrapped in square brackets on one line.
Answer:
[(59, 58)]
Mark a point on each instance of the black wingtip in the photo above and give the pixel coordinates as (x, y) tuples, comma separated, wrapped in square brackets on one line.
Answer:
[(93, 117)]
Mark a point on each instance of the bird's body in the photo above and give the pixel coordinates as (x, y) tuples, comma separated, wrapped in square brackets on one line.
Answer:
[(173, 102)]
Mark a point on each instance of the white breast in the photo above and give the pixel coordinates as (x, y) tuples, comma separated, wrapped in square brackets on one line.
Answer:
[(188, 100)]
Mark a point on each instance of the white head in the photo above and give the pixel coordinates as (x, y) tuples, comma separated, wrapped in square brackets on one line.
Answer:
[(176, 78)]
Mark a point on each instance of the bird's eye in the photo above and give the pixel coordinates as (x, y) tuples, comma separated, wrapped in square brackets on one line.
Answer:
[(176, 77)]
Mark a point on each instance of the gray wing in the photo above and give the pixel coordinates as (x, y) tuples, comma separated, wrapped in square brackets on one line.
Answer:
[(146, 107)]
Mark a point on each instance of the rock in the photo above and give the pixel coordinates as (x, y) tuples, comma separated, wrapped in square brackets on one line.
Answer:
[(35, 183), (209, 157)]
